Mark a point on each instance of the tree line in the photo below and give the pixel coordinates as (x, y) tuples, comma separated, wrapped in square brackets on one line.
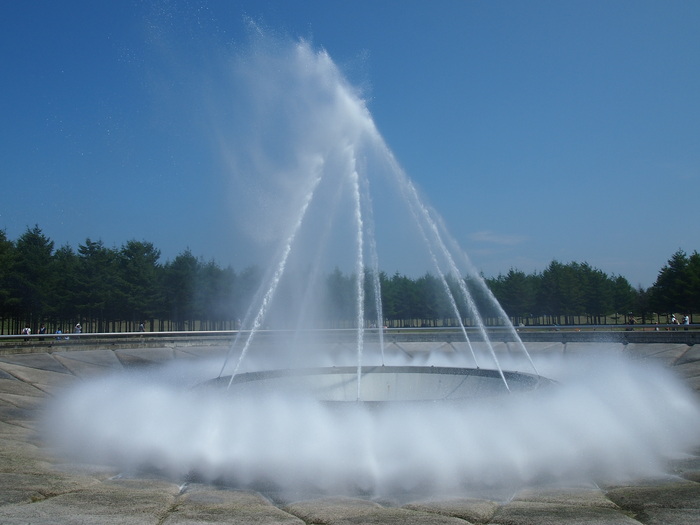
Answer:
[(115, 289), (566, 292)]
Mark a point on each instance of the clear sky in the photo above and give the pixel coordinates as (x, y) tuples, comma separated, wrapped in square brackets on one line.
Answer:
[(540, 130)]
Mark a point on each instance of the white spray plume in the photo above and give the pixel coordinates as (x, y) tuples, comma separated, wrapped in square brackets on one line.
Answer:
[(608, 419)]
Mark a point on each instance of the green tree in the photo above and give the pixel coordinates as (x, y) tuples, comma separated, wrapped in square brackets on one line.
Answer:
[(561, 292), (516, 292), (214, 294), (669, 293), (30, 275), (65, 269), (399, 297), (8, 303), (693, 284), (641, 304), (597, 292), (624, 297), (179, 284), (430, 297), (99, 293), (140, 274)]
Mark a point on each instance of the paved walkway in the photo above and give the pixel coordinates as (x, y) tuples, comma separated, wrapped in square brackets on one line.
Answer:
[(36, 488)]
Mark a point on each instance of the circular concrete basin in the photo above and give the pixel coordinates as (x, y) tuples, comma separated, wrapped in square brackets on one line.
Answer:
[(381, 384)]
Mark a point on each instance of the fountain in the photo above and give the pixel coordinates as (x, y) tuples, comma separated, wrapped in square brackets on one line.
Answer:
[(333, 162), (306, 414)]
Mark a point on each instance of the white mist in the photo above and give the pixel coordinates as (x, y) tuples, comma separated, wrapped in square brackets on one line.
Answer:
[(609, 419)]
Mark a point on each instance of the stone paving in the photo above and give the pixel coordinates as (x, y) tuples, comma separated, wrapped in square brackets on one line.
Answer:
[(38, 489)]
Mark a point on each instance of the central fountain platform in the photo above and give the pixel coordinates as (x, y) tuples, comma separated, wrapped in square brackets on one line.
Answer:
[(382, 384)]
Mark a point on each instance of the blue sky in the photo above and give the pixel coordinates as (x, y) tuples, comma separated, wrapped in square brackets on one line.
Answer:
[(539, 130)]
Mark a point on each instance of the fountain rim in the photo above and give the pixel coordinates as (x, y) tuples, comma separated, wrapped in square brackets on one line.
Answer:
[(244, 377), (531, 382)]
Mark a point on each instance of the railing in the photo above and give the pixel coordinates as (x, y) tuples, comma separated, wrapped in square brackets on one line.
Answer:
[(637, 333)]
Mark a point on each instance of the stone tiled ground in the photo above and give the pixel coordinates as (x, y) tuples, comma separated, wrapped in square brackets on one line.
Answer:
[(35, 488)]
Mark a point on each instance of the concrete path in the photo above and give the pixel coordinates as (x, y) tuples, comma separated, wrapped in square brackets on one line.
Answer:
[(38, 489)]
